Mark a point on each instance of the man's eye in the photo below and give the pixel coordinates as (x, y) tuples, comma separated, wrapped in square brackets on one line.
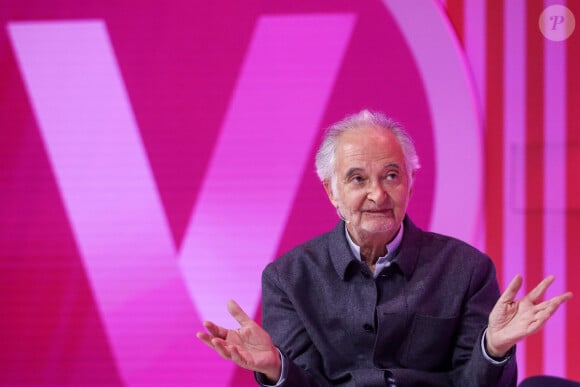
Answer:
[(392, 176), (357, 179)]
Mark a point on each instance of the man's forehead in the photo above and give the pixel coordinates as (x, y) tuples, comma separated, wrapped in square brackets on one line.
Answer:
[(366, 131), (364, 148)]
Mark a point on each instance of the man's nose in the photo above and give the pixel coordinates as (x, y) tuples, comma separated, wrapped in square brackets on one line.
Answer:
[(377, 193)]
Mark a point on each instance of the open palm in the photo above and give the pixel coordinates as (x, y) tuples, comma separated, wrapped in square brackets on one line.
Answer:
[(249, 346), (512, 320)]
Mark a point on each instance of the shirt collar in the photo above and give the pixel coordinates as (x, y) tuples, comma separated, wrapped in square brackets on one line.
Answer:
[(392, 247), (406, 257)]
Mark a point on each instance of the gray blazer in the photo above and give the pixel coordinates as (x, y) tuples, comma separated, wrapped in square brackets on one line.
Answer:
[(420, 321)]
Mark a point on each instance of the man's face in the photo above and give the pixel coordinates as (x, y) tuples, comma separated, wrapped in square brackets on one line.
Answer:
[(372, 187)]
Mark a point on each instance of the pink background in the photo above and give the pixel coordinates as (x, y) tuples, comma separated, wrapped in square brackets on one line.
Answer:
[(154, 157)]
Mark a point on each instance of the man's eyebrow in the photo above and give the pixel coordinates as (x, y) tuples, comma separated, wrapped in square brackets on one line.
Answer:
[(355, 170), (352, 171), (392, 165)]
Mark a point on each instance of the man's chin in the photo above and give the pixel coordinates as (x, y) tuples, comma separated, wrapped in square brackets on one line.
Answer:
[(380, 227)]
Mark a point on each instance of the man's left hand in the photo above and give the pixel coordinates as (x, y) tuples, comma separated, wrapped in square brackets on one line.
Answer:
[(510, 321)]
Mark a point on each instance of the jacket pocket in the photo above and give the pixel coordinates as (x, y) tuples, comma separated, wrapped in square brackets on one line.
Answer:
[(430, 343)]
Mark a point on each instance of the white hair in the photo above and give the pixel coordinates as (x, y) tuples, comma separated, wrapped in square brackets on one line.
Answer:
[(326, 155)]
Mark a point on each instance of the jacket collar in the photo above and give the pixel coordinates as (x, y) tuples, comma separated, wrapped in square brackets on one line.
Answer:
[(406, 258)]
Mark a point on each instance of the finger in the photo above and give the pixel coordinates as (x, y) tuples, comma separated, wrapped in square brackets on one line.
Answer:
[(510, 293), (238, 313), (205, 338), (555, 302), (547, 308), (221, 347), (538, 292), (215, 330), (218, 345)]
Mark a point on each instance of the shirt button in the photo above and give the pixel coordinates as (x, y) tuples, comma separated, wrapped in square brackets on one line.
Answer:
[(368, 328)]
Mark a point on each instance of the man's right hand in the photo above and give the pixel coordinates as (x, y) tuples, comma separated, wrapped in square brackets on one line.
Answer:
[(249, 346)]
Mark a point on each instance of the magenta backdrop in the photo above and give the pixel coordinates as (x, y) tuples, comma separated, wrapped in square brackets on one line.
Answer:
[(155, 156)]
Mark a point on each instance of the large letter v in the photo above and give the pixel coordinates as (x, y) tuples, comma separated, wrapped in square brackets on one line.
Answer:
[(115, 211)]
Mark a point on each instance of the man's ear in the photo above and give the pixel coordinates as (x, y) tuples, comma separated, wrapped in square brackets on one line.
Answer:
[(412, 184), (328, 188)]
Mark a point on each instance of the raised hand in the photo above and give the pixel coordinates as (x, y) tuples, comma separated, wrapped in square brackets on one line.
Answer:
[(510, 321), (249, 346)]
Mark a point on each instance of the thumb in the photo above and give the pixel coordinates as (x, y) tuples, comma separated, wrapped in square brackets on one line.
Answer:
[(512, 290), (238, 313)]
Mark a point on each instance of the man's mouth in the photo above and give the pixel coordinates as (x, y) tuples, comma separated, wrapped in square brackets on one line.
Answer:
[(382, 211)]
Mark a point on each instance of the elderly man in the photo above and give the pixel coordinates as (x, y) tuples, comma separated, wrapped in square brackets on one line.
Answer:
[(377, 301)]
